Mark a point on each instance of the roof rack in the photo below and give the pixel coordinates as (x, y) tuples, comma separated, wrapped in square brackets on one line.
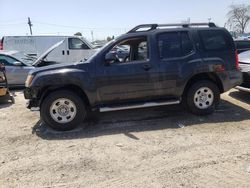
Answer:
[(155, 26)]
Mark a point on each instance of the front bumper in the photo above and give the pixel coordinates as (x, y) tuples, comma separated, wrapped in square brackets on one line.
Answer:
[(32, 101), (33, 105)]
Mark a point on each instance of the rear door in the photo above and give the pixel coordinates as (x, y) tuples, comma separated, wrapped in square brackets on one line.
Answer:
[(175, 51)]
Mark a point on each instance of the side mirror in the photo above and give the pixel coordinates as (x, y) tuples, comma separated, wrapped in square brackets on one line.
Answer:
[(111, 56), (17, 63)]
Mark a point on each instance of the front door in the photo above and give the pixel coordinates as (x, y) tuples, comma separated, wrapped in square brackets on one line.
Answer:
[(131, 76)]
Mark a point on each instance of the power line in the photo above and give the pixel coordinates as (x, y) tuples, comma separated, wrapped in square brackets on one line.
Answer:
[(10, 24), (78, 27)]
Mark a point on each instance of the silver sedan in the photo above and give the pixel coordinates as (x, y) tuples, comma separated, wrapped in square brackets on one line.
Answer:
[(17, 66)]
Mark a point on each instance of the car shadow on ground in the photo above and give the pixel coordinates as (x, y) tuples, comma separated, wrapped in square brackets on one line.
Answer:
[(5, 104), (241, 96), (141, 120)]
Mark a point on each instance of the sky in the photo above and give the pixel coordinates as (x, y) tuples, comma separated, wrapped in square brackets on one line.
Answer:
[(104, 17)]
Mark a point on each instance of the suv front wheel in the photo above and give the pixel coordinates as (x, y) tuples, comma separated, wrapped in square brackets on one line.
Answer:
[(63, 110), (203, 97)]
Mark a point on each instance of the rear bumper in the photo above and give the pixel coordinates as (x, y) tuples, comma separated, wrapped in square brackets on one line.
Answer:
[(231, 79)]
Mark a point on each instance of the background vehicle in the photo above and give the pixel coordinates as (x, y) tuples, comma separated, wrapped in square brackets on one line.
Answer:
[(242, 45), (244, 62), (72, 49), (19, 64), (167, 64), (5, 94)]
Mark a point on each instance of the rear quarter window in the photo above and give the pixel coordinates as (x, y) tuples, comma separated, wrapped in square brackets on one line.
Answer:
[(174, 45), (215, 40)]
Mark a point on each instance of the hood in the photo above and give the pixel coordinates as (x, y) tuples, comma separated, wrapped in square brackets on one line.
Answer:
[(244, 57), (54, 67), (46, 53)]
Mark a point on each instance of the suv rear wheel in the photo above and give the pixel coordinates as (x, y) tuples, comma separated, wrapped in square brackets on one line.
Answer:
[(203, 97), (63, 110)]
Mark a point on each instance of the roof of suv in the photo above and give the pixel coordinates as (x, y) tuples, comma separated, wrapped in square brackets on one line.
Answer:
[(145, 29), (152, 27)]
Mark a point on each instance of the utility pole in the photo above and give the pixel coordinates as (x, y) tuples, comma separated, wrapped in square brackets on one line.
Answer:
[(30, 25)]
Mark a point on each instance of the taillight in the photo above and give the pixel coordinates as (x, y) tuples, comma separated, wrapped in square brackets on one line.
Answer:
[(237, 60), (1, 45)]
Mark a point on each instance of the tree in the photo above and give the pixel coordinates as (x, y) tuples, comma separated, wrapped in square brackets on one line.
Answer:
[(109, 39), (239, 17), (78, 34)]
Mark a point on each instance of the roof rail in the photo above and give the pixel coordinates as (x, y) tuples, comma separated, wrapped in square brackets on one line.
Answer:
[(155, 26)]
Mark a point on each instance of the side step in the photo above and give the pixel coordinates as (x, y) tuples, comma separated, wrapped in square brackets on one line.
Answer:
[(134, 106)]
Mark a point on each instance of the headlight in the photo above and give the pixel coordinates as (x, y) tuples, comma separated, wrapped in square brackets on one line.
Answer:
[(29, 80)]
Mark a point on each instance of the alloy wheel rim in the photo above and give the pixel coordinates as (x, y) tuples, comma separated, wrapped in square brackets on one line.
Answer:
[(203, 98), (63, 110)]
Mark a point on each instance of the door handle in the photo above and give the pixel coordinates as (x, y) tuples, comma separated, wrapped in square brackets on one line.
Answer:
[(146, 67)]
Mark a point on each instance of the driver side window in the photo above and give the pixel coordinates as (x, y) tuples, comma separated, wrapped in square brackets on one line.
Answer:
[(129, 50)]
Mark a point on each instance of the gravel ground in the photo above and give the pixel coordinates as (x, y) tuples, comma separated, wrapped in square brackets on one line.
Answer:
[(155, 147)]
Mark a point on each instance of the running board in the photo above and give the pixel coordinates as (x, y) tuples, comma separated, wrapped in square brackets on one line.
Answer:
[(145, 105)]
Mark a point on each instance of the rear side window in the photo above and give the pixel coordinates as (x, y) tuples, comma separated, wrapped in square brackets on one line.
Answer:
[(169, 45), (174, 45), (214, 40)]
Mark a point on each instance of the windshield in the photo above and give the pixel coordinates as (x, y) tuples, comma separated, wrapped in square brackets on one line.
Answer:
[(25, 58), (99, 49)]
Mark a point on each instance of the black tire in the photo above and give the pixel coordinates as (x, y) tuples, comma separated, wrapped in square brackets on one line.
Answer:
[(80, 112), (190, 98)]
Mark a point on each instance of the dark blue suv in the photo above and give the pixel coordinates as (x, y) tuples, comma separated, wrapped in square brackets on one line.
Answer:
[(165, 64)]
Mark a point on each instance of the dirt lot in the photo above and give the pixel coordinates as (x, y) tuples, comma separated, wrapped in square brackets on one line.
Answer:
[(156, 147)]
